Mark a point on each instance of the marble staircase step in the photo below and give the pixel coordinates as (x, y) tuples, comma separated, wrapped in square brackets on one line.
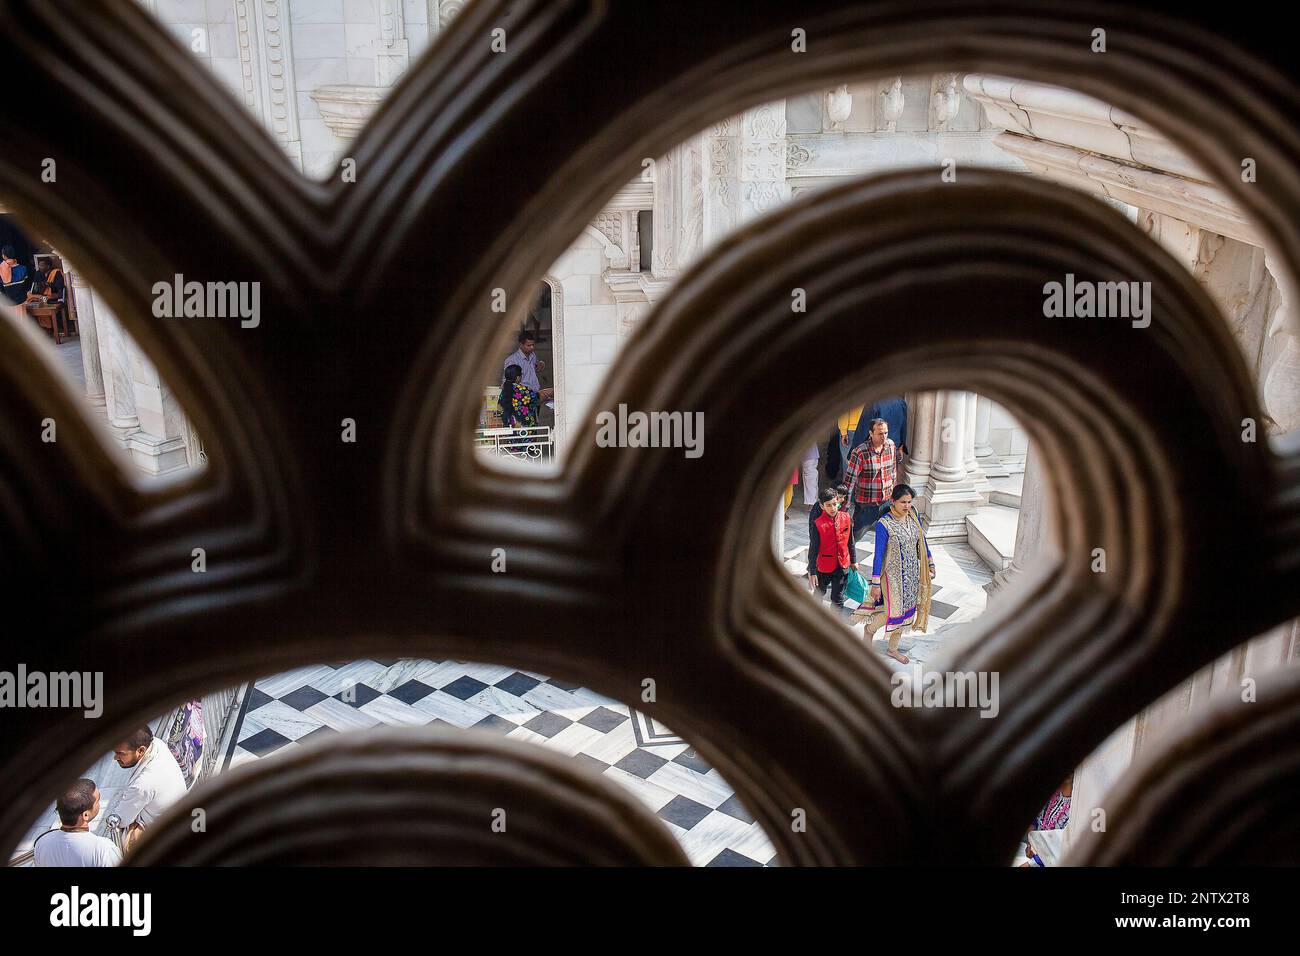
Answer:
[(1006, 491), (991, 532)]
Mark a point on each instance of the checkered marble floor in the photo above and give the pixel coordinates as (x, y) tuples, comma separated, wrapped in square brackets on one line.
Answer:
[(696, 804)]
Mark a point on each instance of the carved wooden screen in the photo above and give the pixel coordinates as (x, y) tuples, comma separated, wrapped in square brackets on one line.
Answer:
[(475, 174)]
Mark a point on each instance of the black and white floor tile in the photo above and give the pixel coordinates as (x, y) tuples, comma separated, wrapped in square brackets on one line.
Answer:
[(626, 746)]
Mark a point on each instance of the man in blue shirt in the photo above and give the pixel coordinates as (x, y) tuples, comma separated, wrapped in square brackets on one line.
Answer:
[(529, 364)]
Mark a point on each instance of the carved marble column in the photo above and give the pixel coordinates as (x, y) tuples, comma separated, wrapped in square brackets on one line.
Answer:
[(678, 207), (949, 463), (159, 446), (142, 412), (115, 364), (922, 409), (87, 327), (989, 462), (950, 491), (969, 413)]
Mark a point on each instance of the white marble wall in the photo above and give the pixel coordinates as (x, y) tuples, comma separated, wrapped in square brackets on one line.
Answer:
[(343, 42), (272, 54), (1006, 436), (209, 24), (585, 318)]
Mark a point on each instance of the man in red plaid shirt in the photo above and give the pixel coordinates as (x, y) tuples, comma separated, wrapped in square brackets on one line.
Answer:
[(873, 468)]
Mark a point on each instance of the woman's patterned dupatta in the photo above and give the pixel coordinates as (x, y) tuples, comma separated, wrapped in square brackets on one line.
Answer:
[(926, 586)]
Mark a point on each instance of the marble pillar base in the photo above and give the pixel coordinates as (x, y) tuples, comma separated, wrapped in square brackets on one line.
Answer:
[(157, 456), (916, 475), (947, 503), (123, 429)]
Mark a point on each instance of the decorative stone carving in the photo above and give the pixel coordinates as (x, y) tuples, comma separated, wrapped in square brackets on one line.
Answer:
[(392, 55), (690, 234), (447, 10), (839, 104), (765, 122), (891, 105), (266, 66), (762, 159), (945, 100), (611, 226), (347, 109), (797, 157), (612, 229), (1166, 193), (762, 196)]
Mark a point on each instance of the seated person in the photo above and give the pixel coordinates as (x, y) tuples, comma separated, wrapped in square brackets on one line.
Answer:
[(54, 281)]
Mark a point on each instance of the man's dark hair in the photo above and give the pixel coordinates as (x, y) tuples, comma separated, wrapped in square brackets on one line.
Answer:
[(527, 335), (75, 801), (842, 490), (875, 422), (8, 252), (828, 494), (139, 738), (512, 374)]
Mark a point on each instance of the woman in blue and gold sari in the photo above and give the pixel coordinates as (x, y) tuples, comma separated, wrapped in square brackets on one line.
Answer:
[(902, 570)]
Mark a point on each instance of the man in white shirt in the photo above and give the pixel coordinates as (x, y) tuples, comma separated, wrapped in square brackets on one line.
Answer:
[(72, 844), (155, 784)]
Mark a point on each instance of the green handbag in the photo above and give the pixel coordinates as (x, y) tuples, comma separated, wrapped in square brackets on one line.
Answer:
[(855, 590)]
